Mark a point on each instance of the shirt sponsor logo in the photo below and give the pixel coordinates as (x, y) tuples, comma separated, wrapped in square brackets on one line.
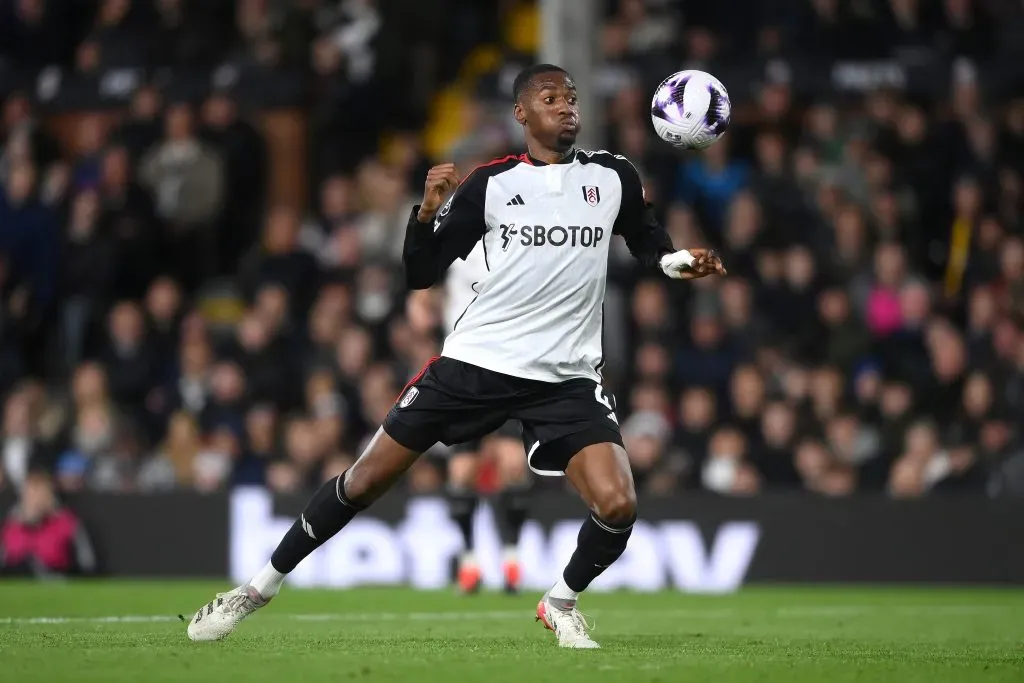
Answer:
[(555, 236)]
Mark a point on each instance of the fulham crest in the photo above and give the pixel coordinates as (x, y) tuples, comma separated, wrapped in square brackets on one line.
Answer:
[(409, 397), (592, 194)]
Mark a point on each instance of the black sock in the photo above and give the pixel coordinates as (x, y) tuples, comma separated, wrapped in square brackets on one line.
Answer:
[(461, 505), (597, 547), (514, 502), (327, 513)]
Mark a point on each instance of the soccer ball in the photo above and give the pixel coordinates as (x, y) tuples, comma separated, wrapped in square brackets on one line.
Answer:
[(691, 109)]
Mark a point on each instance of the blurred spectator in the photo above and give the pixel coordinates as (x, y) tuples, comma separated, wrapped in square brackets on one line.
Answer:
[(645, 436), (266, 361), (746, 400), (29, 248), (127, 357), (697, 417), (129, 219), (260, 445), (89, 260), (140, 130), (173, 463), (22, 449), (845, 339), (187, 181), (710, 183), (92, 429), (245, 176), (22, 138), (189, 33), (707, 360), (211, 468), (41, 538), (773, 446), (278, 258), (726, 469), (925, 465), (37, 33), (164, 306), (118, 33)]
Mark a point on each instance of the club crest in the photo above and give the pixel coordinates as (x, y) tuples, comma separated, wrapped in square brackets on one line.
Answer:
[(447, 207), (409, 397), (592, 194)]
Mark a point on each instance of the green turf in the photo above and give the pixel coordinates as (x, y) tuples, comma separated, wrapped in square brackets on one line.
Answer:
[(791, 635)]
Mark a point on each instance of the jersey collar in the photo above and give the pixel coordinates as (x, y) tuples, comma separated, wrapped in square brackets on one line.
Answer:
[(569, 156)]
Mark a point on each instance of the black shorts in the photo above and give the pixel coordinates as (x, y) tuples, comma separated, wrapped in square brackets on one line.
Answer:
[(455, 402), (510, 430)]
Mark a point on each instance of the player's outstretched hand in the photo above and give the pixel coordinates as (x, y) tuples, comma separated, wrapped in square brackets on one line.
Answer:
[(706, 262), (690, 264), (441, 181)]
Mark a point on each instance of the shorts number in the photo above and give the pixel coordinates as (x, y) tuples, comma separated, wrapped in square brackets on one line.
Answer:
[(602, 399)]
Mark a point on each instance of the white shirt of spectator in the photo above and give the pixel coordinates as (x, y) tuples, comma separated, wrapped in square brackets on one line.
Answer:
[(462, 284)]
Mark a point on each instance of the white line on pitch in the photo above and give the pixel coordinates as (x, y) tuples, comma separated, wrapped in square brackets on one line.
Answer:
[(811, 611)]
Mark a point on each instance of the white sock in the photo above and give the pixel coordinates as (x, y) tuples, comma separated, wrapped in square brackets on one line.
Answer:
[(268, 581), (467, 559), (562, 591), (510, 554)]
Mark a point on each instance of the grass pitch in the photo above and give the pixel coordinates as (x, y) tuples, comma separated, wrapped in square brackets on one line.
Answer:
[(121, 632)]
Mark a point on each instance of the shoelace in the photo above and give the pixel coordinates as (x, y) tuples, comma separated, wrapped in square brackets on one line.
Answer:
[(580, 623), (236, 603)]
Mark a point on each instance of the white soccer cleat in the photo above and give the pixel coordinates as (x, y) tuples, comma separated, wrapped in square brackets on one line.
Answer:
[(568, 624), (218, 618)]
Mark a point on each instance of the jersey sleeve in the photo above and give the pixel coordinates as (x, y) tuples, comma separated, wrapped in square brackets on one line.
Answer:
[(431, 247), (645, 236)]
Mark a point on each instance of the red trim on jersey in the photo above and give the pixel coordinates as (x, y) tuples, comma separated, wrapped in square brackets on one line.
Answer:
[(494, 162), (418, 377), (525, 158)]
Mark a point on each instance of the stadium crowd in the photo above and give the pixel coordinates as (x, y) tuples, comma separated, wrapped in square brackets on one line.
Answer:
[(162, 327)]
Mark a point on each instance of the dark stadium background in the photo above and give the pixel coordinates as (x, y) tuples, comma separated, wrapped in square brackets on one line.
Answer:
[(202, 207)]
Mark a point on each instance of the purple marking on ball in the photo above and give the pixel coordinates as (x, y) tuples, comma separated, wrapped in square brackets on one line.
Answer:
[(716, 118), (669, 99)]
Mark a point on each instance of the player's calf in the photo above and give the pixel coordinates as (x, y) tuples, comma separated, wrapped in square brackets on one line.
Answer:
[(462, 505), (513, 501), (327, 513)]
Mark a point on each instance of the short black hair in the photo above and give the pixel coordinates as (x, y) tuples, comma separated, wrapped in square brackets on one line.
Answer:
[(526, 75)]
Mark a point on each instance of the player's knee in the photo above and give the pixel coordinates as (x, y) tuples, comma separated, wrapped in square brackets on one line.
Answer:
[(359, 488), (616, 507), (364, 485)]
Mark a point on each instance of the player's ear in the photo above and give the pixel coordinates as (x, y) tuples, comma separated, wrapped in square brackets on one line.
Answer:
[(519, 113)]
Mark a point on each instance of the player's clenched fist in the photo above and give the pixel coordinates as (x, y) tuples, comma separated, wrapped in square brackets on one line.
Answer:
[(441, 181)]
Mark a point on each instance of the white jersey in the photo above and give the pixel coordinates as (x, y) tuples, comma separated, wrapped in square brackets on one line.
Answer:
[(544, 232)]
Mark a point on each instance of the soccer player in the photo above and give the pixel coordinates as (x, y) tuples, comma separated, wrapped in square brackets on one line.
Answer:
[(505, 445), (528, 347)]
